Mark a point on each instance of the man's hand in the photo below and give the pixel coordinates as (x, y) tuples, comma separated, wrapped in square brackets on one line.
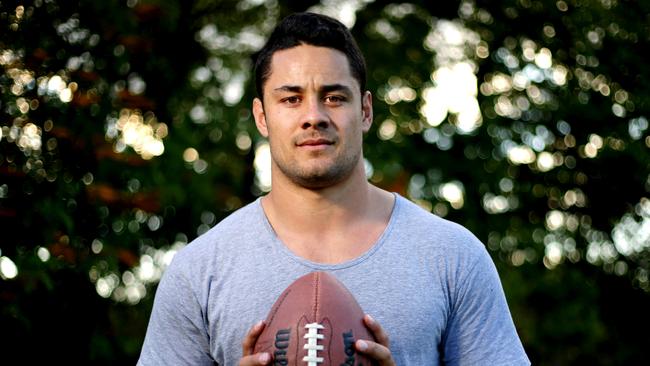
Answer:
[(379, 350), (247, 345)]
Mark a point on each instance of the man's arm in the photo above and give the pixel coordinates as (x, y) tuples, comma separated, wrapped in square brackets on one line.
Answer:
[(176, 334), (480, 330)]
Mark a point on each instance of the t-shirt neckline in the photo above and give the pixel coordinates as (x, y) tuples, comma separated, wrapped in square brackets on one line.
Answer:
[(280, 246)]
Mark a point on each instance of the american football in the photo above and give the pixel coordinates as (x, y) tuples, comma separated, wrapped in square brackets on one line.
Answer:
[(314, 322)]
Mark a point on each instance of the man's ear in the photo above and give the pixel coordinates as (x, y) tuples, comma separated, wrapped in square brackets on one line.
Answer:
[(366, 111), (260, 117)]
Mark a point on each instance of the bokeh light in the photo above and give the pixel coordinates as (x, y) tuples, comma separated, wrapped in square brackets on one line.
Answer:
[(262, 165), (142, 133), (8, 269), (453, 192), (130, 286), (455, 85), (632, 236)]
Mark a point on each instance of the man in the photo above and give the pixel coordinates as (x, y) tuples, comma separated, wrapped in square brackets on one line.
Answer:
[(429, 284)]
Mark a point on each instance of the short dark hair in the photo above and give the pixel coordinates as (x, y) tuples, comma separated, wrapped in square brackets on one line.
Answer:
[(312, 29)]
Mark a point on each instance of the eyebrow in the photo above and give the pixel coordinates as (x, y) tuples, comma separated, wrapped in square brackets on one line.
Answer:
[(324, 89), (289, 88)]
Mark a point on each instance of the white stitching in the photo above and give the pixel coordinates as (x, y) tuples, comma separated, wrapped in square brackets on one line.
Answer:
[(312, 345)]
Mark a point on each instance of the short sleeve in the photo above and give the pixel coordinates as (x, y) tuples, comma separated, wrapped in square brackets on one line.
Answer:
[(176, 334), (480, 330)]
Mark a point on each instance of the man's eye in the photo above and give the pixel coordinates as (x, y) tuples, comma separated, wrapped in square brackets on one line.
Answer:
[(334, 99), (291, 100)]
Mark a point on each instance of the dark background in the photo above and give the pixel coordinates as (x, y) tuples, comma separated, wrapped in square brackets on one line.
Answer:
[(554, 179)]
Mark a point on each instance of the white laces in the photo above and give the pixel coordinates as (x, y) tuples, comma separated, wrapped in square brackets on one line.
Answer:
[(312, 345)]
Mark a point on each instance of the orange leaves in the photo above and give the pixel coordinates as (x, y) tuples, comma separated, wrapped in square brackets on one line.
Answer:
[(104, 193)]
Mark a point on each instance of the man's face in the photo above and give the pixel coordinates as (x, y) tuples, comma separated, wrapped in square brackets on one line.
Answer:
[(314, 116)]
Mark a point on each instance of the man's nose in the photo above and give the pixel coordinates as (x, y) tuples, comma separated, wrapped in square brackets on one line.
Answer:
[(315, 115)]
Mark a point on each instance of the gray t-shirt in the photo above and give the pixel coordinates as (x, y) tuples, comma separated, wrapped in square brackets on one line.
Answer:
[(429, 282)]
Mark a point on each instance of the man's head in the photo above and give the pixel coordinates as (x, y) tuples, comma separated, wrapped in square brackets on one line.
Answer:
[(314, 111), (310, 29)]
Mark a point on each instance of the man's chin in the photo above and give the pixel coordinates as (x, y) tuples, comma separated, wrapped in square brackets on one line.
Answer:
[(317, 181), (318, 178), (319, 175)]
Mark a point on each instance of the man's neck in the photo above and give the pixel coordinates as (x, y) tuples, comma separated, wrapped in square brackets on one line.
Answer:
[(331, 224)]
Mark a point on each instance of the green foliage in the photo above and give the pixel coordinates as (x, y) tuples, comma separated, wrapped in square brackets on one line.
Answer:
[(546, 160)]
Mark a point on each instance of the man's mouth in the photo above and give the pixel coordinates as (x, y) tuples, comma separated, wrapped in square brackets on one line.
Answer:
[(315, 142)]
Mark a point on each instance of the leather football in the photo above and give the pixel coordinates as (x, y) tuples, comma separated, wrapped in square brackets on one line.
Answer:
[(314, 322)]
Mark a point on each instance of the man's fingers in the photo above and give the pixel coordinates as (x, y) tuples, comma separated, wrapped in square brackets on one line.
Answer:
[(248, 343), (380, 335), (255, 360), (376, 351)]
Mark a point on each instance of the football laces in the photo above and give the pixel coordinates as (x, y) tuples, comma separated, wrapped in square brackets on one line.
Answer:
[(312, 346)]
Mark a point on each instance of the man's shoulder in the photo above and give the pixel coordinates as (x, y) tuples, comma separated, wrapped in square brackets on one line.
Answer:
[(241, 219), (245, 222), (414, 218), (244, 219), (427, 235)]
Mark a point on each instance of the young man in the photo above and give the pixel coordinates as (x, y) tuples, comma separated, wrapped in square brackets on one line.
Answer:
[(429, 284)]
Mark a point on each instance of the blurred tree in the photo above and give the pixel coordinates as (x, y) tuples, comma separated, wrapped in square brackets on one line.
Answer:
[(126, 132)]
